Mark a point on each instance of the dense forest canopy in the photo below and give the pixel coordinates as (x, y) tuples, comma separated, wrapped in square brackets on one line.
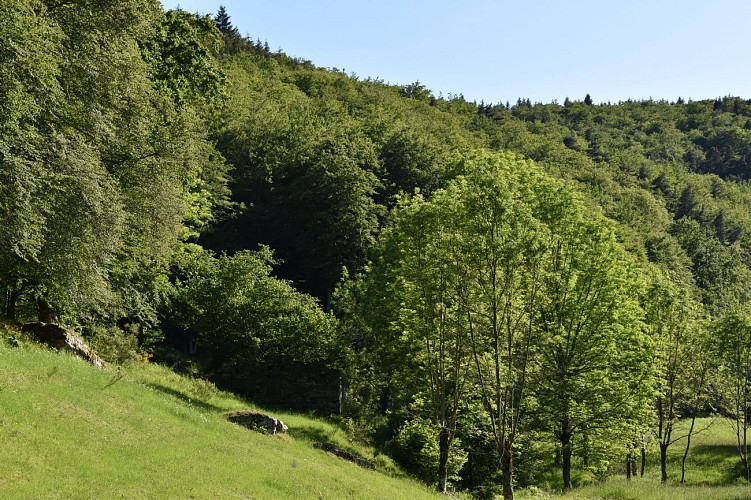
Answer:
[(504, 287)]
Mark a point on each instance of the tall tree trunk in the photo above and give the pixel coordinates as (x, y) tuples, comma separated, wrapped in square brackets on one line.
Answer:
[(633, 464), (11, 302), (643, 459), (628, 466), (585, 450), (443, 460), (566, 455), (664, 462), (508, 470)]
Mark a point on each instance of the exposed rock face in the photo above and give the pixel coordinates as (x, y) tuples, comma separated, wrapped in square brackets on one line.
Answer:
[(346, 455), (258, 421), (59, 338)]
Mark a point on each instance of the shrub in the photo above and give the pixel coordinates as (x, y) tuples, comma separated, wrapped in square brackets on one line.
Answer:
[(113, 344), (241, 313), (415, 448)]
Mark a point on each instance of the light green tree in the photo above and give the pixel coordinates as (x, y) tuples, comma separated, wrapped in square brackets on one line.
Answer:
[(674, 323), (508, 272), (595, 368), (733, 345)]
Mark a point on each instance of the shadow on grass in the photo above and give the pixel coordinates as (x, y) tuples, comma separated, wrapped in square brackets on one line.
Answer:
[(309, 433), (184, 398), (709, 456)]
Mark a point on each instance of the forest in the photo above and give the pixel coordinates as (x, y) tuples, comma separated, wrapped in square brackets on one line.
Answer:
[(506, 289)]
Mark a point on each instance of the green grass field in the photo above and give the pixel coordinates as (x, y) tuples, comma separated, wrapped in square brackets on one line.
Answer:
[(713, 471), (68, 430)]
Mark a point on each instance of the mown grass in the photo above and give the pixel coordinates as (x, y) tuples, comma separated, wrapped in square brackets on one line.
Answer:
[(68, 430)]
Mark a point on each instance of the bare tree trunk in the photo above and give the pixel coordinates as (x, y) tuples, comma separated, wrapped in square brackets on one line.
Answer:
[(628, 466), (443, 460), (688, 445), (643, 459), (743, 447), (664, 462), (11, 301), (508, 470), (566, 452)]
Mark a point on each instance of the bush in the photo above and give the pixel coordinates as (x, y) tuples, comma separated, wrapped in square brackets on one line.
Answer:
[(415, 449), (242, 313), (113, 344), (203, 390)]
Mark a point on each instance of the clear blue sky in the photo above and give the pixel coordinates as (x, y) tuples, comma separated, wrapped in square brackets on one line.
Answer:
[(499, 50)]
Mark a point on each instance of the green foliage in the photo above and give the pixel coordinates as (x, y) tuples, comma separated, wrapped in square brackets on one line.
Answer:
[(415, 448), (28, 86), (506, 280), (501, 305), (241, 313), (114, 345), (105, 174), (180, 57)]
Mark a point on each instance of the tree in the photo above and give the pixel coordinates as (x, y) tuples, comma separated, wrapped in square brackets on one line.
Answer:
[(180, 58), (672, 319), (662, 184), (120, 172), (29, 67), (500, 264), (596, 360), (413, 160), (417, 252), (733, 343), (516, 267), (240, 313), (687, 203), (462, 285), (717, 268), (223, 22), (234, 43), (308, 181), (417, 91)]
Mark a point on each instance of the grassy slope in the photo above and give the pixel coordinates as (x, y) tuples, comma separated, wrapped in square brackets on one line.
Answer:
[(68, 430)]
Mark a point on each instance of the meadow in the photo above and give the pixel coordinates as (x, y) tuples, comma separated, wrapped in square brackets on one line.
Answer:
[(68, 430), (713, 471)]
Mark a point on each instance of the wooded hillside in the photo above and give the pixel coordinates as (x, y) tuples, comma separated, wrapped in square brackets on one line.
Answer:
[(505, 288)]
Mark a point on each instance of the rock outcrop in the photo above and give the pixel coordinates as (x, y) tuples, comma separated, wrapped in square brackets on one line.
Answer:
[(346, 455), (62, 339), (258, 421)]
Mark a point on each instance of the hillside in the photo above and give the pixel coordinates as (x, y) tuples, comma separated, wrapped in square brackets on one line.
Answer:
[(501, 296), (71, 431)]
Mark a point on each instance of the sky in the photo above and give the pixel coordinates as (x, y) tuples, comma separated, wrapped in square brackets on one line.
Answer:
[(500, 50)]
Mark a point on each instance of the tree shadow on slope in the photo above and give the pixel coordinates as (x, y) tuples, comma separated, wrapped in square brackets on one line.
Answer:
[(718, 464), (309, 433), (190, 401)]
